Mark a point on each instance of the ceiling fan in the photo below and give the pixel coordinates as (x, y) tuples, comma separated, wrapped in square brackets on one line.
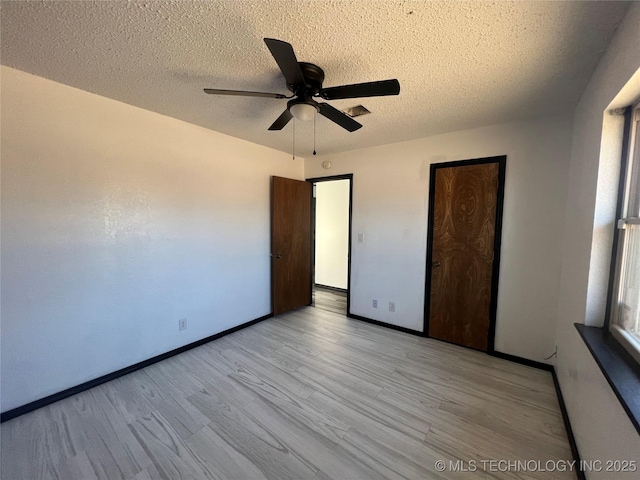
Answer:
[(304, 80)]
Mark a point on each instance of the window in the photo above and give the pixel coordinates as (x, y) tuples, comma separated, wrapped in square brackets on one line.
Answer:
[(625, 309), (616, 347)]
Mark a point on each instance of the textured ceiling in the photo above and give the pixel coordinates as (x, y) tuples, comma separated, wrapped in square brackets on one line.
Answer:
[(460, 64)]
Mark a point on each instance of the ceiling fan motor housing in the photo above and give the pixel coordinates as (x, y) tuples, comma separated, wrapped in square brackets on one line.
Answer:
[(313, 78)]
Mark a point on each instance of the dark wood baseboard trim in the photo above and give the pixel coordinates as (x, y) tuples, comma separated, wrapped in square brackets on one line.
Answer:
[(567, 426), (327, 287), (386, 325), (29, 407), (523, 361)]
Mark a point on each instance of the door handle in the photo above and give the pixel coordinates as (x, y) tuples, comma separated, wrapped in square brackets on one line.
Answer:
[(435, 264), (276, 255)]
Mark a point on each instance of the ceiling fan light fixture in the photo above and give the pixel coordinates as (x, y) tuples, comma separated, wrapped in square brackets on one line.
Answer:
[(305, 80), (303, 111)]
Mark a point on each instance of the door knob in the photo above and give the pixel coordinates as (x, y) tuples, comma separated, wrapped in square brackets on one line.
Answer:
[(435, 264), (276, 255)]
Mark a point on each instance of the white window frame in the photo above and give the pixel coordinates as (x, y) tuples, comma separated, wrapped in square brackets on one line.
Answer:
[(631, 186)]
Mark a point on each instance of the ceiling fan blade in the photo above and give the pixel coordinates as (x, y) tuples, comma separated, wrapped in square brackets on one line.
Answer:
[(286, 59), (282, 120), (217, 91), (368, 89), (336, 116)]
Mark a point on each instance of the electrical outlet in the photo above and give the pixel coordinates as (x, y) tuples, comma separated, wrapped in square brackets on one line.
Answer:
[(375, 304), (392, 307), (182, 324)]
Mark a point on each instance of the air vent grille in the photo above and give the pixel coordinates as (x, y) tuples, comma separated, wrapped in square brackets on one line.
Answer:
[(356, 111)]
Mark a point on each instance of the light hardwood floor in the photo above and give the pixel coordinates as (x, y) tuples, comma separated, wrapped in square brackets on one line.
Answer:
[(308, 395), (330, 300)]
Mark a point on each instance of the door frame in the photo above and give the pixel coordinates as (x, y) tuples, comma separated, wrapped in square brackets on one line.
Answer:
[(346, 176), (501, 160)]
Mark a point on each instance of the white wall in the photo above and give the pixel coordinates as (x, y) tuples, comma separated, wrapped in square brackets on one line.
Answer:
[(602, 429), (390, 201), (332, 233), (116, 223)]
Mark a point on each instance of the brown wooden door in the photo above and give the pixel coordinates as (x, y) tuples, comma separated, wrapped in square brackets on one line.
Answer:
[(290, 244), (465, 217)]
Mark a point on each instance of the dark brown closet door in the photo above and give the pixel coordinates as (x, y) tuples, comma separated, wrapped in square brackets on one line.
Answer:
[(464, 227)]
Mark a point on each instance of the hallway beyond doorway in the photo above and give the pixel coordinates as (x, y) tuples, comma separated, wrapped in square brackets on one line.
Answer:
[(329, 299)]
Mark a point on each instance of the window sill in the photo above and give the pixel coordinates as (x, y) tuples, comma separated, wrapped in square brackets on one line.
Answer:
[(618, 366)]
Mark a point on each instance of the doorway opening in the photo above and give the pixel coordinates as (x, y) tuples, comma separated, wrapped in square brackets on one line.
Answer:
[(331, 242)]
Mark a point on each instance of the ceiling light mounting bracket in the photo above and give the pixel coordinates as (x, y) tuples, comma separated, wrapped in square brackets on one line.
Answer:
[(313, 78)]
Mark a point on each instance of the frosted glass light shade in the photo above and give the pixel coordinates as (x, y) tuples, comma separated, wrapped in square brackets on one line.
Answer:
[(302, 111)]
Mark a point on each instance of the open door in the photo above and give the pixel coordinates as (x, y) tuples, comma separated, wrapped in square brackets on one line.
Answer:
[(290, 244), (463, 257)]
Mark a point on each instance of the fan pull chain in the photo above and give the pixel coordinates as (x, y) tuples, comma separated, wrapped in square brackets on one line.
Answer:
[(294, 139), (315, 115)]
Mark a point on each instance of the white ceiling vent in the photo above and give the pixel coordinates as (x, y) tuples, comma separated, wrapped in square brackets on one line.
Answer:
[(356, 111)]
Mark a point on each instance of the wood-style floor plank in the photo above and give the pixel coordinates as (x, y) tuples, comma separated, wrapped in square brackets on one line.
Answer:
[(223, 458), (329, 299), (294, 408), (399, 460), (309, 395), (78, 466), (265, 448), (171, 456), (317, 451), (113, 451), (171, 403)]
